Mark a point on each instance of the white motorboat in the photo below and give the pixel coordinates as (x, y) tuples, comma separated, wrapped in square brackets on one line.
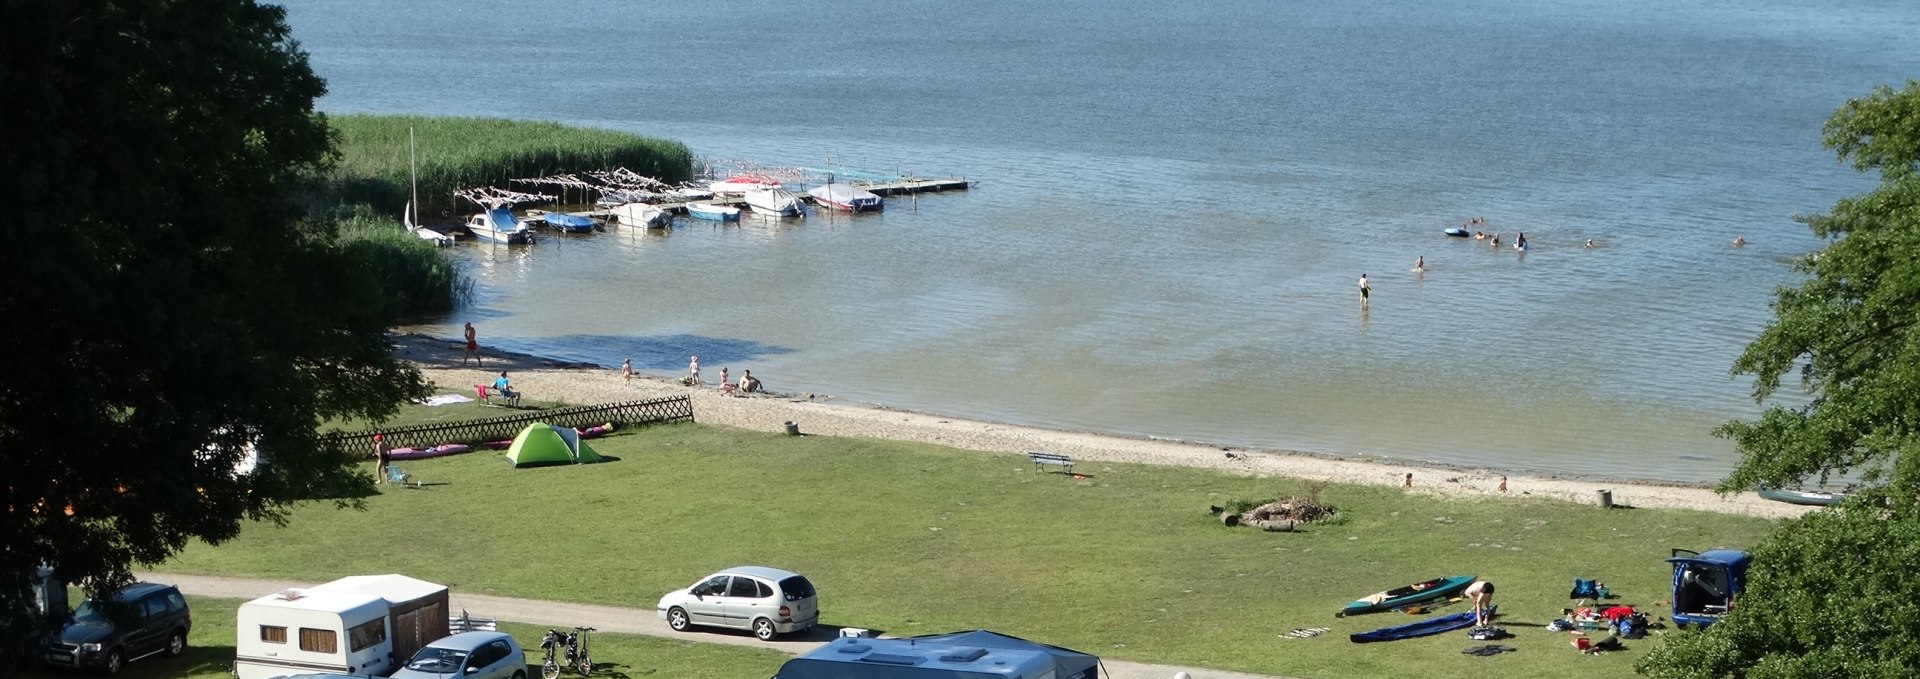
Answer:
[(499, 225), (709, 211), (847, 197), (642, 214), (776, 201), (742, 183)]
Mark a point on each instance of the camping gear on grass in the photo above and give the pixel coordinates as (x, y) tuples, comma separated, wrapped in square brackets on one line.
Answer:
[(1445, 623), (424, 453), (1488, 633), (1705, 584), (1488, 649), (1411, 594), (544, 444)]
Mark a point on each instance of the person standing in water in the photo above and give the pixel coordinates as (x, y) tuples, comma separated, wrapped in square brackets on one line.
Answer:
[(1739, 241), (1520, 241), (1420, 264), (1365, 290)]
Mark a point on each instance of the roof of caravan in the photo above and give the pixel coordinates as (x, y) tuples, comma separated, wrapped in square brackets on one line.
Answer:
[(392, 587), (311, 600)]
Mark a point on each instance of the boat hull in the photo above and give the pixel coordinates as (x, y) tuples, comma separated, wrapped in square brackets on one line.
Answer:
[(642, 214), (1801, 497), (1445, 623), (776, 203), (1411, 594), (519, 237), (715, 213)]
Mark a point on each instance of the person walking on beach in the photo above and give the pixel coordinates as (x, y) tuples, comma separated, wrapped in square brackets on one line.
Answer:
[(473, 347), (1481, 593), (1365, 290), (693, 368), (626, 369), (383, 458)]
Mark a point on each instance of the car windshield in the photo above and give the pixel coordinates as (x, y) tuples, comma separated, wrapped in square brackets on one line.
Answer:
[(89, 612), (796, 588), (437, 660)]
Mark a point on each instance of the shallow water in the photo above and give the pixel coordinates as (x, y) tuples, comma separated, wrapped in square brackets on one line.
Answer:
[(1175, 202)]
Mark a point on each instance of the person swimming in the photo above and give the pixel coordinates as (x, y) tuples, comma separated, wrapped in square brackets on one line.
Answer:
[(1420, 264), (1739, 241), (1589, 242)]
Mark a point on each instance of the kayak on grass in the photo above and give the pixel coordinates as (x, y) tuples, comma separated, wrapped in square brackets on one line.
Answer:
[(1445, 623), (1411, 594)]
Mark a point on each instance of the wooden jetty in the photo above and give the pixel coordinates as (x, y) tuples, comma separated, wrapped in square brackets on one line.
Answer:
[(893, 188)]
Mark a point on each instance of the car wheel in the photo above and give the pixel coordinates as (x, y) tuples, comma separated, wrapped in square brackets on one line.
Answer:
[(763, 629), (177, 644), (677, 619), (114, 663), (519, 675)]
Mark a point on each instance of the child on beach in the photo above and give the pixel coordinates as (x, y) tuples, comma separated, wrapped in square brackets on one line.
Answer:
[(626, 369), (383, 458), (725, 386), (693, 369)]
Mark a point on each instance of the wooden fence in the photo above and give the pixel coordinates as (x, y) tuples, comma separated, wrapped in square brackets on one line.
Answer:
[(475, 432)]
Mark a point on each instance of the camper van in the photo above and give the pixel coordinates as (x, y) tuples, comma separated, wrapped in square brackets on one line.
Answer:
[(355, 626)]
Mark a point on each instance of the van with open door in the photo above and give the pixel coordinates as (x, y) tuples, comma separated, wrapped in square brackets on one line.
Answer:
[(1705, 584)]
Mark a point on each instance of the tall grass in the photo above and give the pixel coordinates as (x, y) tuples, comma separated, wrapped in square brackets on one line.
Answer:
[(455, 153), (417, 279)]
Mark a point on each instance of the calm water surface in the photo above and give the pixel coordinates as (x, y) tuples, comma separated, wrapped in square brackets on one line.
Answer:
[(1175, 201)]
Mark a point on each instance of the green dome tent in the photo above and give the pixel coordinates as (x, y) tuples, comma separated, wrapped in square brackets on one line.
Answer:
[(544, 444)]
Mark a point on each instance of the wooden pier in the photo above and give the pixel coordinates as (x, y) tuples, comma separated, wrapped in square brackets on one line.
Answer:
[(894, 188)]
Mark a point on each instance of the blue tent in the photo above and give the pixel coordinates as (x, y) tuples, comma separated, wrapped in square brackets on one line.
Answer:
[(976, 654)]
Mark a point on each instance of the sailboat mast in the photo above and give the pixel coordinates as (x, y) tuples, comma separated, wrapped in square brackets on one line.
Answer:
[(413, 175)]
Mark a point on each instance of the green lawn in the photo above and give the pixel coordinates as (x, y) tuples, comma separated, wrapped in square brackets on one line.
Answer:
[(210, 652), (911, 539)]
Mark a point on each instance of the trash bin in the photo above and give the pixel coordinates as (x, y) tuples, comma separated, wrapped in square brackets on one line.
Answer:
[(1606, 495), (792, 429)]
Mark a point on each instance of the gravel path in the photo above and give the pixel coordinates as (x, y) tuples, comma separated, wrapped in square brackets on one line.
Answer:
[(615, 619)]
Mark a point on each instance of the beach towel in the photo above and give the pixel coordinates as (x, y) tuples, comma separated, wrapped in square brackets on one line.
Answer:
[(445, 399)]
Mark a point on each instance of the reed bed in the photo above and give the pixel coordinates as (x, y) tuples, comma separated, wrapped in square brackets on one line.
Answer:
[(454, 153), (416, 278)]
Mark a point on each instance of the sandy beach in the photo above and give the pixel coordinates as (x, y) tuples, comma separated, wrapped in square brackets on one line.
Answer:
[(547, 380)]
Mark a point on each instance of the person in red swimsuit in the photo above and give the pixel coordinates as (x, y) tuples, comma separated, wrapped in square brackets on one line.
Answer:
[(473, 347)]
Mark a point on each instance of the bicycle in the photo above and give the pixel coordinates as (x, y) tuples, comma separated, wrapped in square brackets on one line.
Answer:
[(573, 644)]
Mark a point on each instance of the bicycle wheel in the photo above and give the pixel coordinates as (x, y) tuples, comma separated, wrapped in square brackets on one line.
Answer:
[(550, 669), (586, 666)]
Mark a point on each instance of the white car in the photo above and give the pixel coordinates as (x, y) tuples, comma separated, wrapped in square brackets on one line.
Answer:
[(768, 601), (468, 655)]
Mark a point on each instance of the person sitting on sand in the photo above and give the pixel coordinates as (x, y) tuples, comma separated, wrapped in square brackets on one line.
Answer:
[(748, 383)]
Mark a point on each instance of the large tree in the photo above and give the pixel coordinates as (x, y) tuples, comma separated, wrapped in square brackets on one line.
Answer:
[(165, 305), (1837, 594)]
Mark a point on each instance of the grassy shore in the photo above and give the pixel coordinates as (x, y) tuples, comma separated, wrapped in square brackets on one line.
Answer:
[(913, 538), (210, 653), (455, 153)]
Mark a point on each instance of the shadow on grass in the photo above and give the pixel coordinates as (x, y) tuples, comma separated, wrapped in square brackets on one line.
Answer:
[(196, 661)]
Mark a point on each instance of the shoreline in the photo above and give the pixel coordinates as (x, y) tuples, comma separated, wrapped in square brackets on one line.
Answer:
[(581, 383)]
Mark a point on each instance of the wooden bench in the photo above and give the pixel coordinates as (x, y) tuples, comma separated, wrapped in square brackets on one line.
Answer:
[(1041, 460)]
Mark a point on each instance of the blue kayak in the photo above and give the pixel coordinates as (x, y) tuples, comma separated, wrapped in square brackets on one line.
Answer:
[(1445, 623)]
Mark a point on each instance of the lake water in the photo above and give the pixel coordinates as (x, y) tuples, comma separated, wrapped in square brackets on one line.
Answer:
[(1175, 201)]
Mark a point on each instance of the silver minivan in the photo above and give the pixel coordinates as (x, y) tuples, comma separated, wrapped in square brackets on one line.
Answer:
[(768, 601)]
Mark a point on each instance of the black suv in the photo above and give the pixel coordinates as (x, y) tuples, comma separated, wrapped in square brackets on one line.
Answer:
[(155, 620)]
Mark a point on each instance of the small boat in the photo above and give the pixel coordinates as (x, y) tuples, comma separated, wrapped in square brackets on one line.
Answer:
[(1458, 232), (1429, 627), (562, 221), (421, 232), (1800, 497), (642, 214), (1411, 594), (709, 211), (776, 201), (742, 183), (847, 197), (498, 225), (690, 193), (426, 453)]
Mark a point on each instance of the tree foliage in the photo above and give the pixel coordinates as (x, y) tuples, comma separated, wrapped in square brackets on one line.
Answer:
[(166, 306), (1852, 329), (1835, 593)]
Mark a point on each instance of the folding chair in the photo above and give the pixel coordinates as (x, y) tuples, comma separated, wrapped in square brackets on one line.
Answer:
[(480, 390)]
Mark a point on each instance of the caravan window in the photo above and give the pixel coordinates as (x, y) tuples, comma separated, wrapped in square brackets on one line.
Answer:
[(273, 634), (366, 634), (319, 640)]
